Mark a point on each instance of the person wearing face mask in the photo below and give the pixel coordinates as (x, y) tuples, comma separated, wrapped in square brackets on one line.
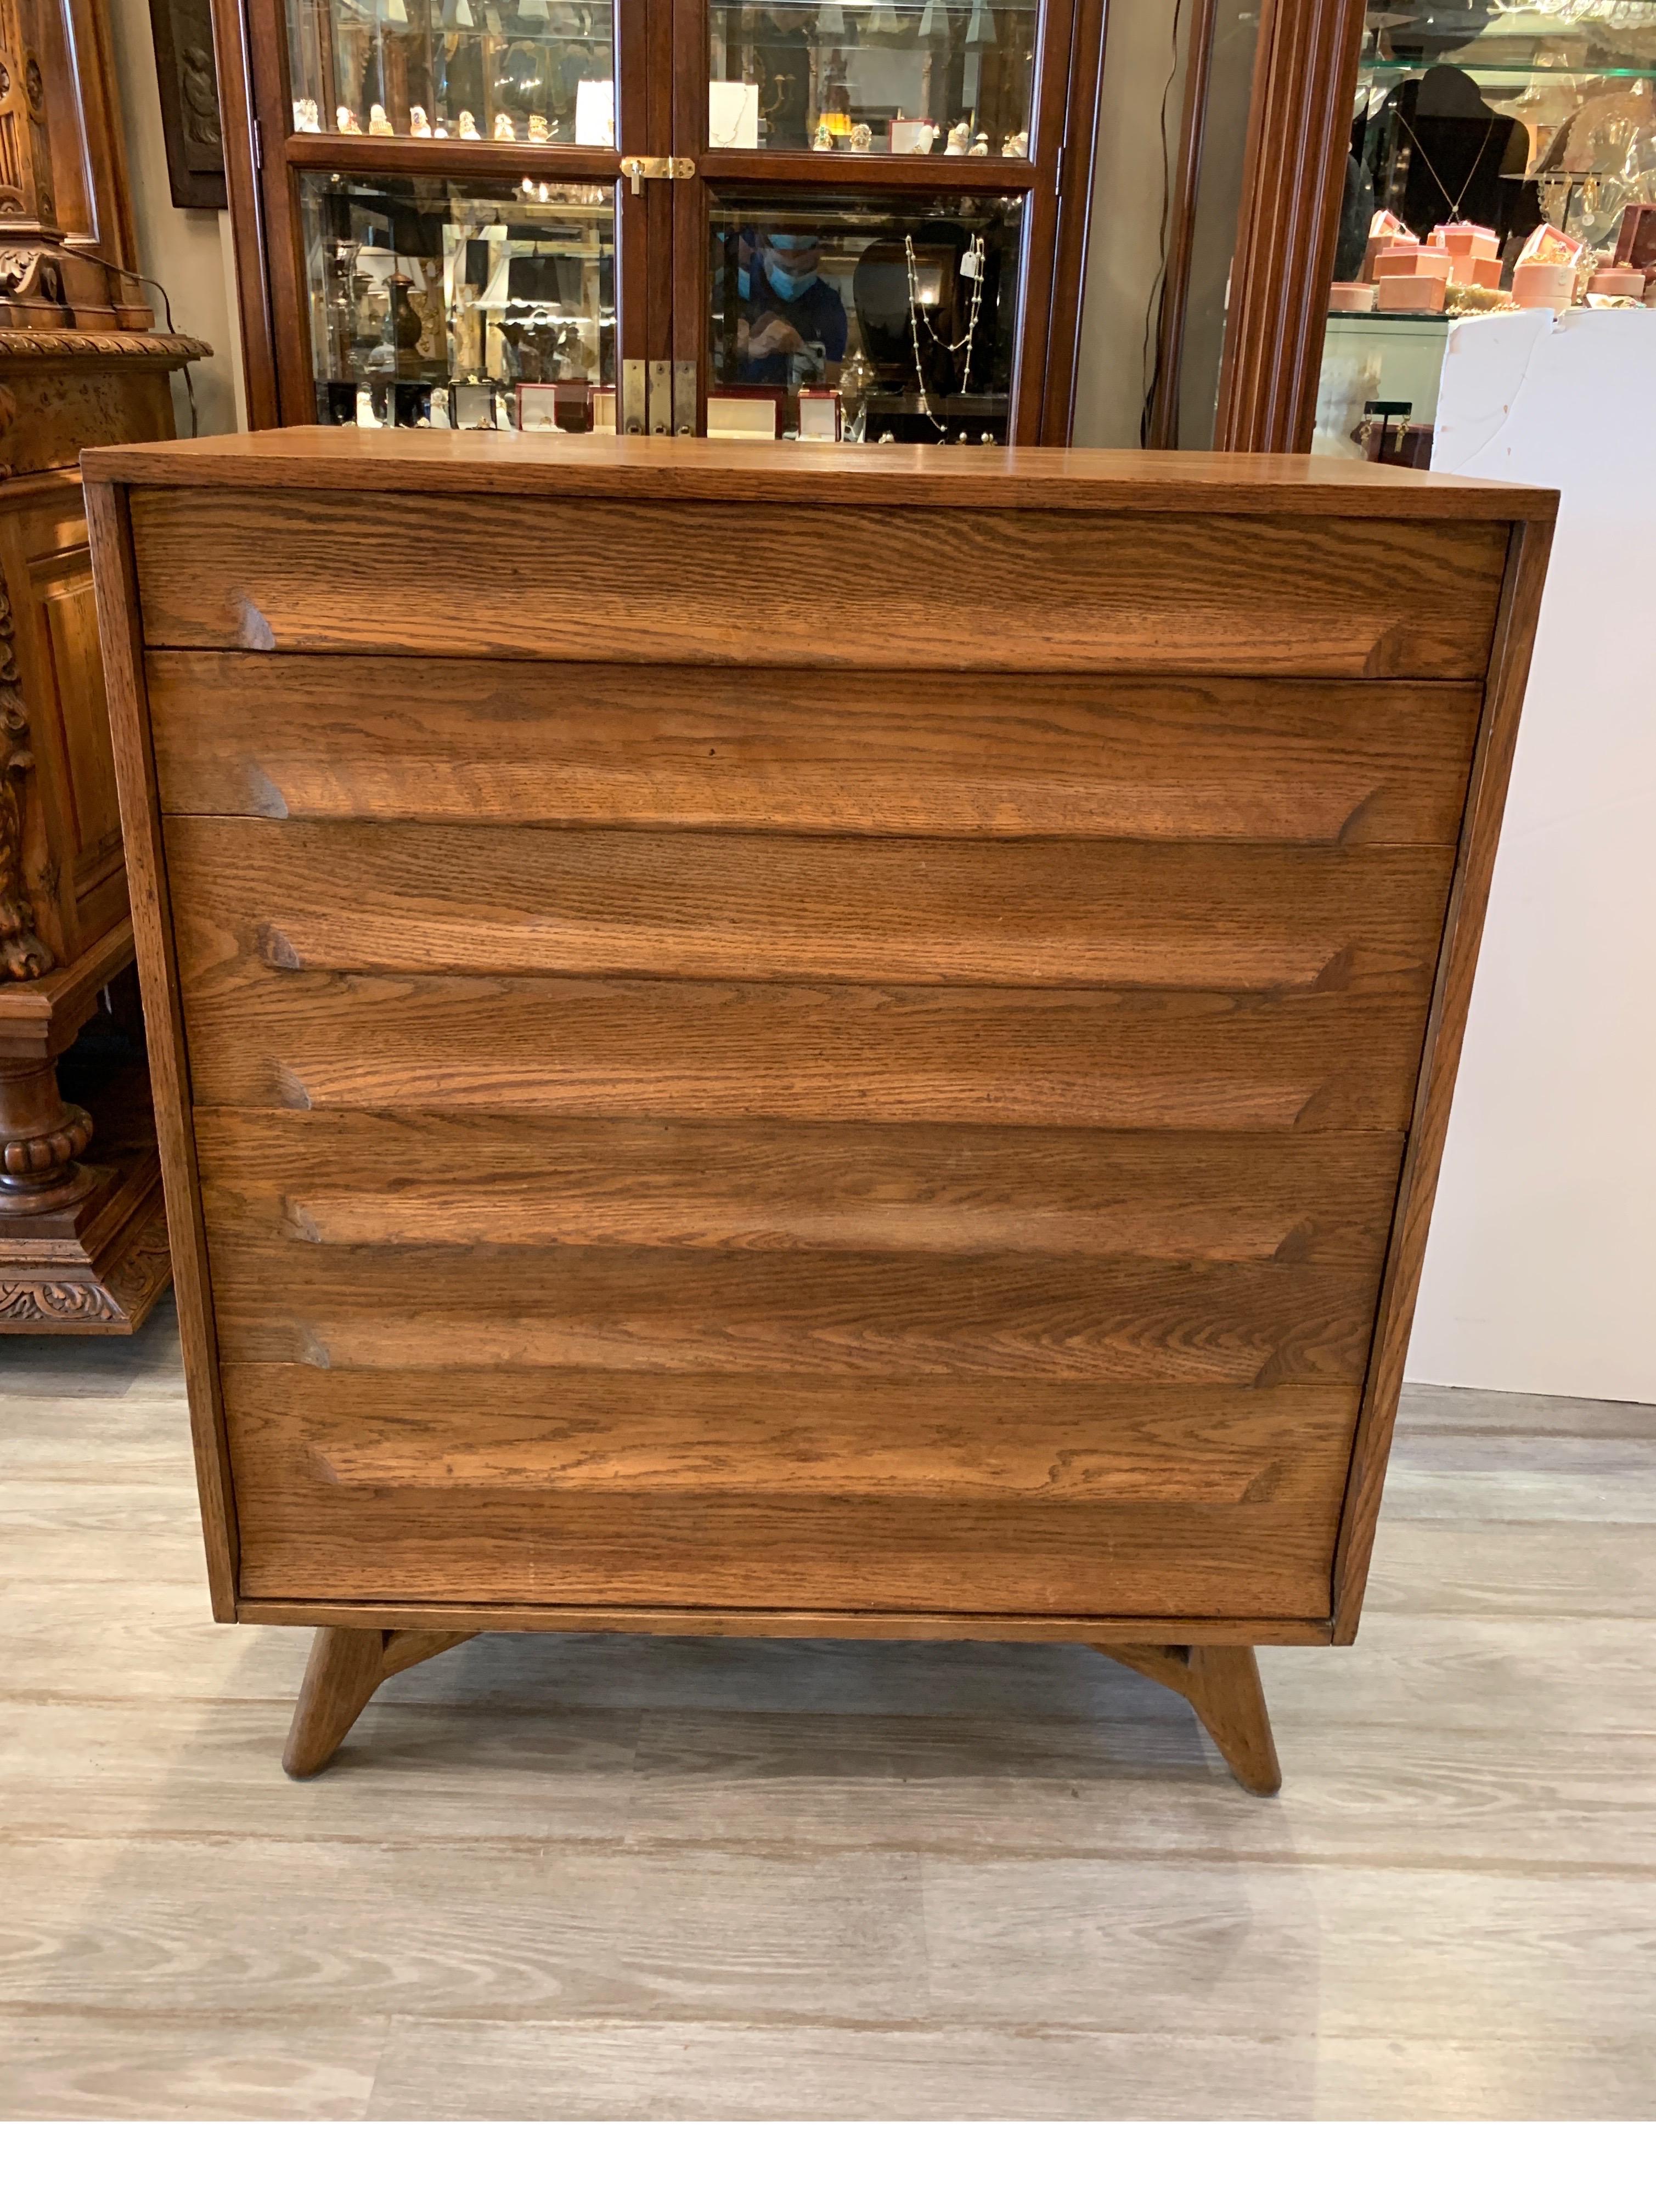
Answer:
[(790, 314)]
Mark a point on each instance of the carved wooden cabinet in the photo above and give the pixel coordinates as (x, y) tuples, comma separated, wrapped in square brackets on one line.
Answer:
[(83, 1240), (854, 1043)]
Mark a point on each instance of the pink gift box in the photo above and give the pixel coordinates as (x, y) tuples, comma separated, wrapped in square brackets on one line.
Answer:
[(1411, 295), (1544, 284), (1617, 283), (1462, 242), (1412, 261)]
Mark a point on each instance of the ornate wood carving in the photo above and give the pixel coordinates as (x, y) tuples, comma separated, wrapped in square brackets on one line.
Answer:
[(22, 956), (1297, 134), (27, 200), (189, 101)]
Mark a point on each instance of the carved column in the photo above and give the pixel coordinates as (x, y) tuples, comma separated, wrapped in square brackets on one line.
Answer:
[(22, 956), (31, 274)]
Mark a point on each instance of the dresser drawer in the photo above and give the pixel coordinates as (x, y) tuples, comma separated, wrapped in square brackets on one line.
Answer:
[(632, 1491), (906, 590), (434, 900), (409, 739), (1130, 985)]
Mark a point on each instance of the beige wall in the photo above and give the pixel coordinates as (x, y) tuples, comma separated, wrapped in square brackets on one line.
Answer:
[(1124, 253), (185, 249), (1123, 245)]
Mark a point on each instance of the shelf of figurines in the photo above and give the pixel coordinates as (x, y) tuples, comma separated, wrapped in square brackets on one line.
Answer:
[(1459, 270), (902, 139), (576, 406)]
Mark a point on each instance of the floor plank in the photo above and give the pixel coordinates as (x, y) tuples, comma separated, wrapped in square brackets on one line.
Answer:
[(634, 2069), (599, 1877)]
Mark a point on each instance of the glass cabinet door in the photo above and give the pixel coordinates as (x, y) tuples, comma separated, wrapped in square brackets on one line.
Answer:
[(868, 252), (863, 317), (464, 304), (812, 219), (1474, 127)]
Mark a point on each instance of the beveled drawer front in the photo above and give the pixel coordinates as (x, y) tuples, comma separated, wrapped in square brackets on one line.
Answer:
[(903, 589), (880, 1314), (420, 739), (1126, 985), (343, 1181), (702, 1489), (427, 899), (1316, 1059)]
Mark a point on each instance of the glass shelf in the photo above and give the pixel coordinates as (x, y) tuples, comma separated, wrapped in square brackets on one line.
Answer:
[(1517, 72)]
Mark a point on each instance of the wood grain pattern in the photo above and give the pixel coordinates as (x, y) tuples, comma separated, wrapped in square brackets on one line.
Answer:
[(445, 1179), (120, 626), (790, 474), (426, 740), (1311, 1060), (672, 1310), (546, 579), (584, 1434), (1509, 665), (372, 1534), (430, 899)]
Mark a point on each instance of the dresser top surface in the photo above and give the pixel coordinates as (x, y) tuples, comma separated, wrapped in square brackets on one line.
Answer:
[(471, 461)]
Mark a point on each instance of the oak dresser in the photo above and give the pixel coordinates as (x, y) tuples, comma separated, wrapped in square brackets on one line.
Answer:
[(776, 1040)]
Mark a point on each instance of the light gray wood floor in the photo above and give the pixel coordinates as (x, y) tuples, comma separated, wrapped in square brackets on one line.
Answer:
[(604, 1877)]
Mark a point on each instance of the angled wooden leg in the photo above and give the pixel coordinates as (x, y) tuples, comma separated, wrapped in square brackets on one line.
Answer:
[(1221, 1681), (347, 1666)]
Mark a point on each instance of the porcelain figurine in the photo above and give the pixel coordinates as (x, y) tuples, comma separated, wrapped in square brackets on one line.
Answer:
[(378, 123), (1016, 147), (469, 125), (980, 144), (824, 141), (539, 133), (419, 124), (505, 128), (863, 139), (307, 115), (959, 138), (345, 123), (926, 138)]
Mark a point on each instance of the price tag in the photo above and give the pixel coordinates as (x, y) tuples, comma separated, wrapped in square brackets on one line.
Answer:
[(970, 265)]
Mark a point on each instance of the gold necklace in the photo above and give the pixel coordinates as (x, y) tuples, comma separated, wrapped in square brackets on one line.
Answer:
[(1454, 204)]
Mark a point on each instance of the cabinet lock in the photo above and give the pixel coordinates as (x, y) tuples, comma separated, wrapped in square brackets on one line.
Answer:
[(636, 166)]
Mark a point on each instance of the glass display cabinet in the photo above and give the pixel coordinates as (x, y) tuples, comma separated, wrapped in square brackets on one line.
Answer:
[(1447, 137), (1476, 127), (860, 220)]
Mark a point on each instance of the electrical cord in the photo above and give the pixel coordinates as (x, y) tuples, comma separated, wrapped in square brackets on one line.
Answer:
[(138, 277), (1152, 374)]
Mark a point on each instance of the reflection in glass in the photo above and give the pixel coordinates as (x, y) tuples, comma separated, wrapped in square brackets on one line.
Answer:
[(1497, 117), (508, 71), (432, 301), (885, 76), (906, 311)]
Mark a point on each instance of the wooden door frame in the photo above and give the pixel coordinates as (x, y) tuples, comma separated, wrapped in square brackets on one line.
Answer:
[(1298, 134)]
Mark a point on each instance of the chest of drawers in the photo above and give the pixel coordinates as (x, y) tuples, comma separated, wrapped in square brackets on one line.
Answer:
[(771, 1042)]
